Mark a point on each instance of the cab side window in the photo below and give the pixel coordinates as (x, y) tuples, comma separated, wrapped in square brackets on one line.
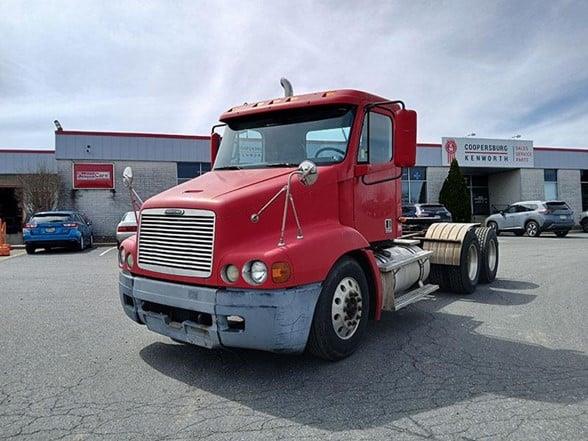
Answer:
[(375, 147)]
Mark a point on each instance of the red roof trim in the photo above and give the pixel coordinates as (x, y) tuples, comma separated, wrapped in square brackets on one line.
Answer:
[(133, 134), (26, 151)]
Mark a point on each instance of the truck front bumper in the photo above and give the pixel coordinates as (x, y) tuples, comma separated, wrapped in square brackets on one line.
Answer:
[(274, 320)]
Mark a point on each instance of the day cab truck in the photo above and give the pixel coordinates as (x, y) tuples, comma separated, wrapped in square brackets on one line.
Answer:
[(294, 240)]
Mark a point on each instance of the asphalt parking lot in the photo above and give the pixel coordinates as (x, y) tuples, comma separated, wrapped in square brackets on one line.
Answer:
[(508, 362)]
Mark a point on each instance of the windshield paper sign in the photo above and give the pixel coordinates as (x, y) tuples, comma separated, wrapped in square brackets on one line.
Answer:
[(93, 176), (484, 152)]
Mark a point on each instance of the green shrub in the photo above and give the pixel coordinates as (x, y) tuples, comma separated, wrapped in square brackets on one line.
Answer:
[(455, 194)]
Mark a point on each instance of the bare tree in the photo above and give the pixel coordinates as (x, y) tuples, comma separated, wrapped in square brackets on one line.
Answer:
[(40, 191)]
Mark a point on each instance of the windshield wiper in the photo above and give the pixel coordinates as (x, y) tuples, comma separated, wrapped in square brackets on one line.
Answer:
[(281, 164), (228, 167)]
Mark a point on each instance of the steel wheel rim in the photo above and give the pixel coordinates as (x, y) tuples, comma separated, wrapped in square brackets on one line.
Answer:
[(472, 262), (531, 229), (346, 308), (492, 255)]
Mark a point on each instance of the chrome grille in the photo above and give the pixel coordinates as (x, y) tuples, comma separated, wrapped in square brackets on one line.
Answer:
[(177, 244)]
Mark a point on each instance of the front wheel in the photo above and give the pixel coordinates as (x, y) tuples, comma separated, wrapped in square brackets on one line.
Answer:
[(29, 249), (341, 314), (532, 229), (585, 225)]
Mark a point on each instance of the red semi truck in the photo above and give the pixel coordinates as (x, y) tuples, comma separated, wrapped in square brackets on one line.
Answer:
[(294, 239)]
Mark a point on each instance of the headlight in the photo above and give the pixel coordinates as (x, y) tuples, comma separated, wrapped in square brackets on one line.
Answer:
[(230, 273), (130, 260), (255, 272)]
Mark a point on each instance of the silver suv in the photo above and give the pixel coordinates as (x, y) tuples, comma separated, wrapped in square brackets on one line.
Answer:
[(533, 217)]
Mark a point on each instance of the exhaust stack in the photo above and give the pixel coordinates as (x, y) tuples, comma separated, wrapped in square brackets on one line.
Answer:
[(288, 91)]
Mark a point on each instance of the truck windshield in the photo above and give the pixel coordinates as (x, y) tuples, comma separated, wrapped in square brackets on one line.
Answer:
[(285, 139)]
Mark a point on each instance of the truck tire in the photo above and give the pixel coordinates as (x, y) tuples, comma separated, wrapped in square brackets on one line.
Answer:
[(464, 278), (341, 314), (438, 276), (488, 254)]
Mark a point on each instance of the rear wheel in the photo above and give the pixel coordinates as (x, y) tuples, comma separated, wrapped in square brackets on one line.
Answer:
[(82, 244), (488, 254), (341, 314), (585, 225), (438, 276), (532, 229), (562, 233), (30, 249), (464, 278), (91, 241)]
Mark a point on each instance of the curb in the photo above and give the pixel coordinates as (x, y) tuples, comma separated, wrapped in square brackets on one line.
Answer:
[(96, 245)]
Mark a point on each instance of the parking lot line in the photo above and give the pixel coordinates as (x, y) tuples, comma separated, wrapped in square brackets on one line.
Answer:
[(107, 251)]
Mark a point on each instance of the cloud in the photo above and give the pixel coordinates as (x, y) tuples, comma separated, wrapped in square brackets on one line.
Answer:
[(495, 68)]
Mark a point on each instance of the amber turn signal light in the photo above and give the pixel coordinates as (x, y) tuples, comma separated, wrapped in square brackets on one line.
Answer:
[(281, 272)]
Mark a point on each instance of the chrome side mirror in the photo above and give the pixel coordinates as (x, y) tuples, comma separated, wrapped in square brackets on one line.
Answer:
[(128, 177), (308, 173)]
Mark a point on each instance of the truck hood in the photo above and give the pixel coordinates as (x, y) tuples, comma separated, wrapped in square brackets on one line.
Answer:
[(215, 187)]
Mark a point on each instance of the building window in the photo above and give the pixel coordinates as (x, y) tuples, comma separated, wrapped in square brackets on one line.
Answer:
[(584, 185), (190, 170), (414, 185), (550, 178)]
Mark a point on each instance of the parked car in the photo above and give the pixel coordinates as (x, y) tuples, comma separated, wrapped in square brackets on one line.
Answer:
[(584, 221), (421, 215), (534, 218), (55, 229), (126, 227)]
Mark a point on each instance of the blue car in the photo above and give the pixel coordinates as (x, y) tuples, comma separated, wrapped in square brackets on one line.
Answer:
[(53, 229)]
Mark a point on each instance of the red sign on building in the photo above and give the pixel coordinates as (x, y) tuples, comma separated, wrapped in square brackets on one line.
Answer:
[(93, 176)]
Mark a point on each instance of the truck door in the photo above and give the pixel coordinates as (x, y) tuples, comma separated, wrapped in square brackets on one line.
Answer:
[(376, 194)]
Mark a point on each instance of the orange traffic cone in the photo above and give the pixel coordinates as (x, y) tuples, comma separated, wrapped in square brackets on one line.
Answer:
[(4, 247)]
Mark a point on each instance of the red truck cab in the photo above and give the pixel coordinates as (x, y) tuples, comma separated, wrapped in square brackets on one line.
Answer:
[(265, 253)]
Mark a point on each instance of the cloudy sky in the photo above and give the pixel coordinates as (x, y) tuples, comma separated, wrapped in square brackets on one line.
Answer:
[(494, 68)]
